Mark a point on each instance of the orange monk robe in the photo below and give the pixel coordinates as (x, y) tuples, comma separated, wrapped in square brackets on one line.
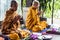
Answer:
[(33, 21), (10, 15)]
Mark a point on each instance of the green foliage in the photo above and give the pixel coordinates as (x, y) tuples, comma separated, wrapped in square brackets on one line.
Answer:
[(44, 4), (56, 8), (57, 5), (24, 3)]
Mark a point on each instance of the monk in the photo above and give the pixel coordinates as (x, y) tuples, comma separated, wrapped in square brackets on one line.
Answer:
[(32, 20), (11, 22)]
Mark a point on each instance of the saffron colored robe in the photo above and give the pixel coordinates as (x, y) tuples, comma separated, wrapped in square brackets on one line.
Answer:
[(33, 21)]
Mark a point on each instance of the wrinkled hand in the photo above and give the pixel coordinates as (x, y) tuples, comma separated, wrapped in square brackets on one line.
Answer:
[(40, 12), (16, 18)]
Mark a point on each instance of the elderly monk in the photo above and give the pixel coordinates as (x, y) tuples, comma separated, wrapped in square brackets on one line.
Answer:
[(32, 20)]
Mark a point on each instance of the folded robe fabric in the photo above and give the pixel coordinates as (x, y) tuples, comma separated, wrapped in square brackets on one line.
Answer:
[(14, 36), (10, 15), (33, 21), (7, 29)]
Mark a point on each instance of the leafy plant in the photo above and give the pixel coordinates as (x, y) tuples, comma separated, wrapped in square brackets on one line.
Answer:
[(44, 4), (24, 3)]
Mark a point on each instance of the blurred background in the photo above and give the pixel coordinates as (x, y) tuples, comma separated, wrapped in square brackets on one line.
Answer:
[(51, 9)]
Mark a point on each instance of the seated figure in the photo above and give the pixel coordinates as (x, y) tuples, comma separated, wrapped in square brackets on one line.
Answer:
[(11, 23), (32, 20)]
